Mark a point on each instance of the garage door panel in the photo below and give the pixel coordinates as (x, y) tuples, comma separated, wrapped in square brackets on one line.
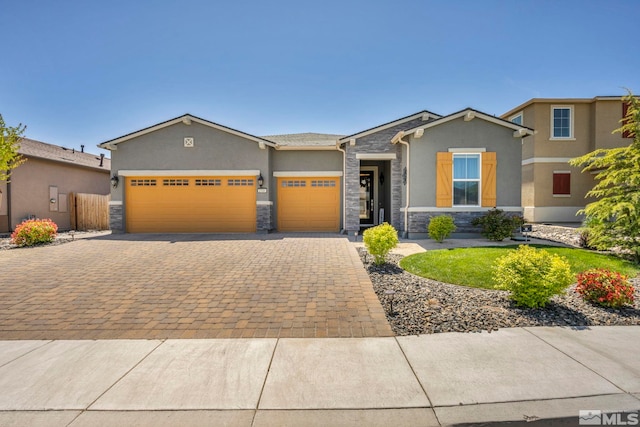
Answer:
[(190, 204), (308, 204)]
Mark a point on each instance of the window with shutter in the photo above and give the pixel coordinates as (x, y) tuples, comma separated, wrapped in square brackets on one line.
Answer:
[(561, 184)]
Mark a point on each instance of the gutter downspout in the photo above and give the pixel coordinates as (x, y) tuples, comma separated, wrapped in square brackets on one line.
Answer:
[(344, 187), (398, 138)]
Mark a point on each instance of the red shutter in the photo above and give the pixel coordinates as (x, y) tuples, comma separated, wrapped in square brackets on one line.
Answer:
[(561, 183)]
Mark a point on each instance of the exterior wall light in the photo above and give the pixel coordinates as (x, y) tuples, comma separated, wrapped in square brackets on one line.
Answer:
[(260, 181), (114, 181)]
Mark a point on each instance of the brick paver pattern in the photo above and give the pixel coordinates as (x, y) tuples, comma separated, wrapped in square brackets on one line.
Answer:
[(188, 286)]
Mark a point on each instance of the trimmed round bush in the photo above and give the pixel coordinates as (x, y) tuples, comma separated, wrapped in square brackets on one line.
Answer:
[(379, 240), (532, 275), (605, 287), (34, 232), (496, 225), (441, 227)]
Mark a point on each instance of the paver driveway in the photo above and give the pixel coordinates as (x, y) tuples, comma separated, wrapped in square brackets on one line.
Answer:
[(188, 286)]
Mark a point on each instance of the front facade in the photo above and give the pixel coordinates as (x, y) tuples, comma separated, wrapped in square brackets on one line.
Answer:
[(552, 190), (39, 188), (192, 175)]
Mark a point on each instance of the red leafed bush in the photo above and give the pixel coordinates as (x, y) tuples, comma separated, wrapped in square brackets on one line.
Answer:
[(34, 231), (605, 287)]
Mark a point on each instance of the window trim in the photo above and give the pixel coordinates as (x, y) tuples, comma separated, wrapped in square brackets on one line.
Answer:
[(518, 114), (479, 179), (571, 136)]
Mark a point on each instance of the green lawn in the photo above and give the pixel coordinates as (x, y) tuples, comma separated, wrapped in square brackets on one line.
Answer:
[(474, 266)]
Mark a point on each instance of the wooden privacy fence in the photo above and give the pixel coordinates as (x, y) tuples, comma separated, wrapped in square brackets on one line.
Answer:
[(89, 211)]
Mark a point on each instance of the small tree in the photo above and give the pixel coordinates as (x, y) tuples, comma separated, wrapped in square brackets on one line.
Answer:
[(9, 144), (613, 220)]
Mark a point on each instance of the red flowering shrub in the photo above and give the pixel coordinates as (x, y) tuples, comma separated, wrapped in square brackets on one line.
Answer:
[(34, 231), (605, 287)]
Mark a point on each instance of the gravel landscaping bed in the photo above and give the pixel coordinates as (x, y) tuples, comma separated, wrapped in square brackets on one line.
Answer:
[(61, 238), (423, 306)]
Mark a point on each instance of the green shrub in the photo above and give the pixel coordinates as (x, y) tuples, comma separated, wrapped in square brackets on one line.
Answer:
[(379, 240), (33, 232), (605, 287), (532, 275), (441, 227), (496, 225)]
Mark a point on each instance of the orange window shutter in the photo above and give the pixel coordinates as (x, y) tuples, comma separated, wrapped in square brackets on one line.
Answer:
[(444, 168), (489, 164)]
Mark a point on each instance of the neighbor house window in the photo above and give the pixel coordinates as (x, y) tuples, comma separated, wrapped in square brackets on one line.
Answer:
[(562, 122), (466, 179), (517, 119), (561, 183)]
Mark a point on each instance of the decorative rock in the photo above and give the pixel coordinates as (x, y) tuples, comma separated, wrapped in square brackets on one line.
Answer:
[(423, 306)]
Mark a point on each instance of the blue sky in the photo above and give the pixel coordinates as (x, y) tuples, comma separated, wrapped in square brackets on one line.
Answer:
[(82, 72)]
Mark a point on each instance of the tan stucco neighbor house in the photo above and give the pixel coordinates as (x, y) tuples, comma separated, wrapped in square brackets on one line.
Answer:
[(565, 128), (40, 187), (192, 175)]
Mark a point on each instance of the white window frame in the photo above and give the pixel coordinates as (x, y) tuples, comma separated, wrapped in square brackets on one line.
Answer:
[(571, 122), (515, 116), (454, 180)]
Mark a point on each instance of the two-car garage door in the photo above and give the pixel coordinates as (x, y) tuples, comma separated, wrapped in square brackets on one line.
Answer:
[(190, 204)]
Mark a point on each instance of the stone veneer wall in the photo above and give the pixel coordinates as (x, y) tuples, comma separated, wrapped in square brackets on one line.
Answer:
[(418, 222), (116, 223), (263, 220), (378, 143)]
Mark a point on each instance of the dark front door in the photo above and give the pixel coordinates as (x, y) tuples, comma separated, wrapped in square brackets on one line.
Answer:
[(367, 207)]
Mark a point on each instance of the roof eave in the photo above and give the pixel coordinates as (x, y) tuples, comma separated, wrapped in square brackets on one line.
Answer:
[(186, 119)]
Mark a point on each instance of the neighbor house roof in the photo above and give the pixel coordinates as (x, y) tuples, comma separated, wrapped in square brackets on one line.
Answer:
[(56, 153), (187, 119), (426, 116), (559, 101), (470, 114), (305, 141)]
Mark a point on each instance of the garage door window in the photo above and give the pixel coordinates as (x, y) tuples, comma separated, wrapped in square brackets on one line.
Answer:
[(240, 182), (323, 183), (294, 183), (143, 182), (208, 182), (175, 182)]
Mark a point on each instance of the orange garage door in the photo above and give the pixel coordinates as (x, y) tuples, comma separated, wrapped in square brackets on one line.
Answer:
[(188, 204), (309, 204)]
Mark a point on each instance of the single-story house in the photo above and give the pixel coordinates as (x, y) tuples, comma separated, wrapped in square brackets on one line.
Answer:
[(193, 175), (39, 188)]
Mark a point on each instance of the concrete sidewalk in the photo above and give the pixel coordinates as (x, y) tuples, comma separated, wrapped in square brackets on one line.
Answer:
[(519, 374)]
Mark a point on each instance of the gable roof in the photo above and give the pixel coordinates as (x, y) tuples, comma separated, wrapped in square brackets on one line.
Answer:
[(427, 115), (56, 153), (305, 141), (186, 119), (470, 113)]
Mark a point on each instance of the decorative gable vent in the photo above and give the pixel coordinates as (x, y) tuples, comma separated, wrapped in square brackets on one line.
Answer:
[(188, 142)]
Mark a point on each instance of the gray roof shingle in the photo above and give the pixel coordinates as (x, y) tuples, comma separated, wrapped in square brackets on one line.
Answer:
[(308, 139), (42, 150)]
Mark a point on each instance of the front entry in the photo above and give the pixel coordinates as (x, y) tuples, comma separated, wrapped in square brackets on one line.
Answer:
[(368, 196)]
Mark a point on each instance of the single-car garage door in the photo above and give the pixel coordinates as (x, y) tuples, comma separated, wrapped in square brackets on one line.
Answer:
[(190, 204), (308, 204)]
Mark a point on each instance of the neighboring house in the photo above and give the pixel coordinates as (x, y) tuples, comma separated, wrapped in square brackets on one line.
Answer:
[(192, 175), (552, 190), (40, 187)]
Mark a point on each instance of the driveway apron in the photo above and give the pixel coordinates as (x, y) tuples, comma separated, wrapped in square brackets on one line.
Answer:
[(188, 286)]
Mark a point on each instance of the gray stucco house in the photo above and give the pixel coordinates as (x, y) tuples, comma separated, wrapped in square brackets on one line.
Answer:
[(192, 175)]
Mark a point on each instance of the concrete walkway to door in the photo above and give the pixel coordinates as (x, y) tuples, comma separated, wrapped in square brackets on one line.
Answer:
[(189, 286)]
